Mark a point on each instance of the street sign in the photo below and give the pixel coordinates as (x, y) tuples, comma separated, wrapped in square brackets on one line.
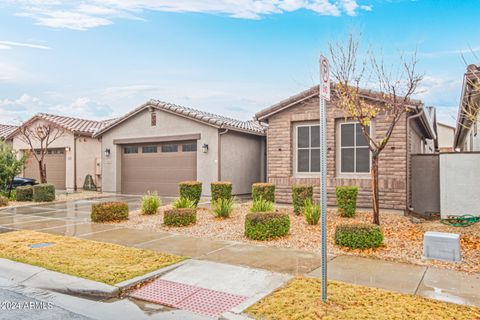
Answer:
[(324, 95), (324, 78)]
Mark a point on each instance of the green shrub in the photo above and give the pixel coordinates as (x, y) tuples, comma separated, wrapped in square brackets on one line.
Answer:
[(150, 203), (221, 190), (222, 207), (301, 193), (11, 195), (191, 190), (265, 226), (311, 212), (265, 191), (261, 205), (3, 201), (347, 200), (182, 203), (109, 211), (358, 236), (24, 193), (44, 192), (180, 217)]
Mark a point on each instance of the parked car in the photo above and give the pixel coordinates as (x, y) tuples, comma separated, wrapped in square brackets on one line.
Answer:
[(20, 182)]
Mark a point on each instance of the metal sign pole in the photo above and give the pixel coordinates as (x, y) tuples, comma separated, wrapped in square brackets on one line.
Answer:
[(324, 93)]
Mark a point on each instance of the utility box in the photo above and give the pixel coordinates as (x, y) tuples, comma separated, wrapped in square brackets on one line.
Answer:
[(441, 246)]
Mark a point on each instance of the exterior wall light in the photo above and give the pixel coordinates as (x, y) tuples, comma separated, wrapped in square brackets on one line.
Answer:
[(107, 152), (67, 149), (205, 148)]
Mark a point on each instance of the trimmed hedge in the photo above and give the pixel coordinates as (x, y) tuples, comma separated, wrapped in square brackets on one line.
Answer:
[(358, 236), (180, 217), (44, 192), (24, 193), (265, 226), (191, 190), (301, 193), (109, 211), (347, 200), (265, 191), (3, 201), (221, 190)]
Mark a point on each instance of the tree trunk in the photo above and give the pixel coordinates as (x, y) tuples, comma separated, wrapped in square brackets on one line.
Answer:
[(375, 200), (43, 173)]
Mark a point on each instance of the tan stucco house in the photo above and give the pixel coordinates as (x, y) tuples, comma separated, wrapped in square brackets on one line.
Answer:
[(5, 131), (159, 144), (446, 137), (293, 149), (71, 157)]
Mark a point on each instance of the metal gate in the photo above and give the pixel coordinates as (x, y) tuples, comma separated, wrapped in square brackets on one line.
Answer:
[(425, 184)]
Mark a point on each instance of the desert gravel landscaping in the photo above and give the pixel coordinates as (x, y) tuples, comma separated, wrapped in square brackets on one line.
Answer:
[(403, 238)]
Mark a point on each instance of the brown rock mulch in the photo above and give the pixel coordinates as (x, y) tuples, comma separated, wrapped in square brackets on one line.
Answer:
[(403, 238)]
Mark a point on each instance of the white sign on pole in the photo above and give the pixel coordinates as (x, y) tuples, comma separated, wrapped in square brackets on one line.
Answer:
[(324, 95), (324, 78)]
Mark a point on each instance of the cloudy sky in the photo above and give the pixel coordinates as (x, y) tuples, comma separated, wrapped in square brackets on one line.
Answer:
[(99, 59)]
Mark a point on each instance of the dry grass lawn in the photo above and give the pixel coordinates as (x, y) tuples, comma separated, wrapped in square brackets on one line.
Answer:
[(300, 299), (102, 262)]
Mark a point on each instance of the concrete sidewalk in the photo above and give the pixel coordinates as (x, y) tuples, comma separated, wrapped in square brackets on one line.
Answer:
[(441, 284)]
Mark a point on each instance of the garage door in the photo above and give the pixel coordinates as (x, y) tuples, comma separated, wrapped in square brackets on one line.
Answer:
[(158, 167), (55, 163)]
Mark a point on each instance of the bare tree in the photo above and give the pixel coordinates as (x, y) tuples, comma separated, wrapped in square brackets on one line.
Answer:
[(470, 104), (396, 85), (39, 137)]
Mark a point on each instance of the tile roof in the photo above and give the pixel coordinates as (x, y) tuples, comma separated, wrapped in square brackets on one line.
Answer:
[(6, 129), (250, 126), (76, 125)]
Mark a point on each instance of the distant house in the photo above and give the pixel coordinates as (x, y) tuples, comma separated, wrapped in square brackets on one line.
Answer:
[(466, 133), (71, 157), (5, 131), (446, 136), (293, 148), (159, 144)]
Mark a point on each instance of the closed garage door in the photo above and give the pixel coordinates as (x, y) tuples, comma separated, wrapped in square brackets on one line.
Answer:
[(55, 163), (158, 167)]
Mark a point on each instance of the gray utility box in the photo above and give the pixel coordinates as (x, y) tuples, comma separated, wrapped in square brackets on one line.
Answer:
[(441, 246)]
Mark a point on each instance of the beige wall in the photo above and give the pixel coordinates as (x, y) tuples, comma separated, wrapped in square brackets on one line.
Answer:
[(86, 150), (446, 136), (89, 150), (242, 160), (139, 126)]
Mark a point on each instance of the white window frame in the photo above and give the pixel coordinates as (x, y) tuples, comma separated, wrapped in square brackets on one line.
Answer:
[(360, 175), (295, 151)]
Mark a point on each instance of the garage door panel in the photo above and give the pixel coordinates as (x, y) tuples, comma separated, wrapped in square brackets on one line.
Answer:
[(55, 163), (160, 171)]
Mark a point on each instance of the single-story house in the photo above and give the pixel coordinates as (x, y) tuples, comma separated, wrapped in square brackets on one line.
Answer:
[(293, 149), (5, 131), (70, 158), (159, 144), (466, 133), (446, 135)]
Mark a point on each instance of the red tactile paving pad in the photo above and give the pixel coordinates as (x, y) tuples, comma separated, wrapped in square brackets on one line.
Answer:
[(186, 297), (164, 292)]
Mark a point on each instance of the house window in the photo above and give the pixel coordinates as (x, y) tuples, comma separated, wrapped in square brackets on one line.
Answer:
[(189, 147), (307, 148), (354, 152), (153, 118), (130, 149), (170, 148), (149, 149)]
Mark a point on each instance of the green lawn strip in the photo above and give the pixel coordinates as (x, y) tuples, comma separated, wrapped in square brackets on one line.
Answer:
[(98, 261), (300, 299)]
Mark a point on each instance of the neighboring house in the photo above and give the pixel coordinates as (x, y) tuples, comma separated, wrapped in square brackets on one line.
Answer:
[(5, 131), (71, 157), (159, 144), (466, 133), (293, 149), (445, 137)]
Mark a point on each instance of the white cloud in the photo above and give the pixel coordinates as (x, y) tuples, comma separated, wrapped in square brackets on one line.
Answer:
[(84, 108), (88, 14), (9, 44), (11, 73), (19, 109)]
